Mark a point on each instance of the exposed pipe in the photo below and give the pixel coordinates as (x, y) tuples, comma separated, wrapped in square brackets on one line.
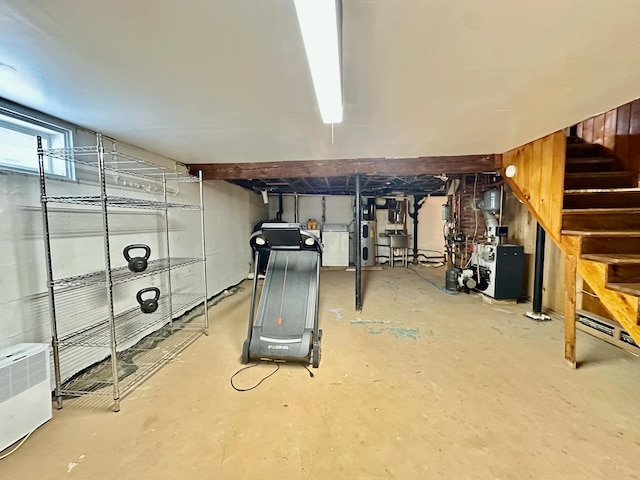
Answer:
[(501, 202), (358, 246), (490, 220)]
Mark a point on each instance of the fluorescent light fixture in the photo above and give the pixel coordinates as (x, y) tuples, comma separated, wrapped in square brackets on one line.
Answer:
[(318, 21)]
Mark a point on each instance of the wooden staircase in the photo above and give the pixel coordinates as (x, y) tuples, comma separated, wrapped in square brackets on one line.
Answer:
[(590, 207), (601, 208)]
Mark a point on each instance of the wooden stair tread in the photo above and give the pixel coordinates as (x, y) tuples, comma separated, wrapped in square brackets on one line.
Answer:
[(615, 173), (616, 259), (578, 191), (601, 233), (590, 160), (628, 288), (599, 211)]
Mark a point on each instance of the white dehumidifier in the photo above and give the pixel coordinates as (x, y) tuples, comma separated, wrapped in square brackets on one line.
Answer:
[(25, 390)]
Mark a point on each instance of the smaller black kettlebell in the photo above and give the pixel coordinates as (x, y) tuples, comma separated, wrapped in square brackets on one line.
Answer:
[(137, 264), (149, 305)]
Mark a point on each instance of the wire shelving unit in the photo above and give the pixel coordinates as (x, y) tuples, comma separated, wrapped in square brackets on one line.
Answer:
[(138, 343)]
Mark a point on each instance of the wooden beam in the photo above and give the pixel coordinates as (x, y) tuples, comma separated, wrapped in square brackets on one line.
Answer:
[(570, 270), (336, 168)]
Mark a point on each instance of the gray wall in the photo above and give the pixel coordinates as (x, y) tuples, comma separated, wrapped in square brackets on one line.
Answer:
[(339, 209), (77, 247)]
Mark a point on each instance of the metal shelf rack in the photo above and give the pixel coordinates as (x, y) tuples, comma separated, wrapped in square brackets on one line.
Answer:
[(160, 336), (117, 162), (129, 323), (117, 202), (123, 274), (135, 365)]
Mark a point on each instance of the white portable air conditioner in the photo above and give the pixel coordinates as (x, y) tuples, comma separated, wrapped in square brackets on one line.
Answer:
[(25, 391)]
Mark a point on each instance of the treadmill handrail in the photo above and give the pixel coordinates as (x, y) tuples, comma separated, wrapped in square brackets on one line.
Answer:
[(306, 240)]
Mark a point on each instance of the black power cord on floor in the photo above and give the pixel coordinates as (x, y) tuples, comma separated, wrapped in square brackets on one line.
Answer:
[(307, 369), (257, 384)]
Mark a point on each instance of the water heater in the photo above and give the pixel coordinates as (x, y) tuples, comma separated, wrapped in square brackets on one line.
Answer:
[(368, 243)]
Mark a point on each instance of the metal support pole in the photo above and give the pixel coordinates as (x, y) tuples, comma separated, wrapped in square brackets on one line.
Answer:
[(204, 257), (295, 208), (324, 210), (415, 230), (47, 256), (108, 279), (539, 270), (280, 209), (414, 216), (358, 246), (166, 233), (537, 314)]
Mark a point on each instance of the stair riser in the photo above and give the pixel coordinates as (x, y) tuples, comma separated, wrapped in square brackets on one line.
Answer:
[(599, 222), (622, 181), (611, 245), (589, 167), (602, 200), (584, 150), (623, 274)]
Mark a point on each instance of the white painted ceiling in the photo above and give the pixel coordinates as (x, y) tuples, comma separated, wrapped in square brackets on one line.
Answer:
[(208, 81)]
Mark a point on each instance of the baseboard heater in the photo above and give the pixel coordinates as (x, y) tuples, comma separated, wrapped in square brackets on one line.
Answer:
[(606, 329), (25, 390)]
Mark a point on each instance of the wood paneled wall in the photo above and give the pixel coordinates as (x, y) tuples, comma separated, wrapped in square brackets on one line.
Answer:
[(522, 231), (619, 131), (539, 179)]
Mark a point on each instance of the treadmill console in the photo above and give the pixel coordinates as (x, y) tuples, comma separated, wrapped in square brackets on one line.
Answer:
[(284, 236)]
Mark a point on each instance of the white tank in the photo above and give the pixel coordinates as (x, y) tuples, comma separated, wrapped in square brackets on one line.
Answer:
[(492, 200)]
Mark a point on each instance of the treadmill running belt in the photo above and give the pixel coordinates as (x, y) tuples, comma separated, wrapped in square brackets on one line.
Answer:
[(288, 295)]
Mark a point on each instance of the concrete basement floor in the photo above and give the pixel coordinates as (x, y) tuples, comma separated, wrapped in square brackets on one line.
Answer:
[(420, 385)]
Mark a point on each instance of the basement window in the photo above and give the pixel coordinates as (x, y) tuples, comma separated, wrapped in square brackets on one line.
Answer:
[(18, 142)]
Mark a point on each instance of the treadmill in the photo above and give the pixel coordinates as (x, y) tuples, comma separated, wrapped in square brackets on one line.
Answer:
[(286, 325)]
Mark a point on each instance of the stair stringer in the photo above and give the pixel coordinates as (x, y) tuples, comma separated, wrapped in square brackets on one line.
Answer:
[(623, 307)]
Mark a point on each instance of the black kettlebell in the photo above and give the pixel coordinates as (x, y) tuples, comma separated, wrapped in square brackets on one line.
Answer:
[(149, 305), (137, 264)]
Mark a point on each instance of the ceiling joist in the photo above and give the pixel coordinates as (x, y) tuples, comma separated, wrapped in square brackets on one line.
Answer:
[(372, 185)]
